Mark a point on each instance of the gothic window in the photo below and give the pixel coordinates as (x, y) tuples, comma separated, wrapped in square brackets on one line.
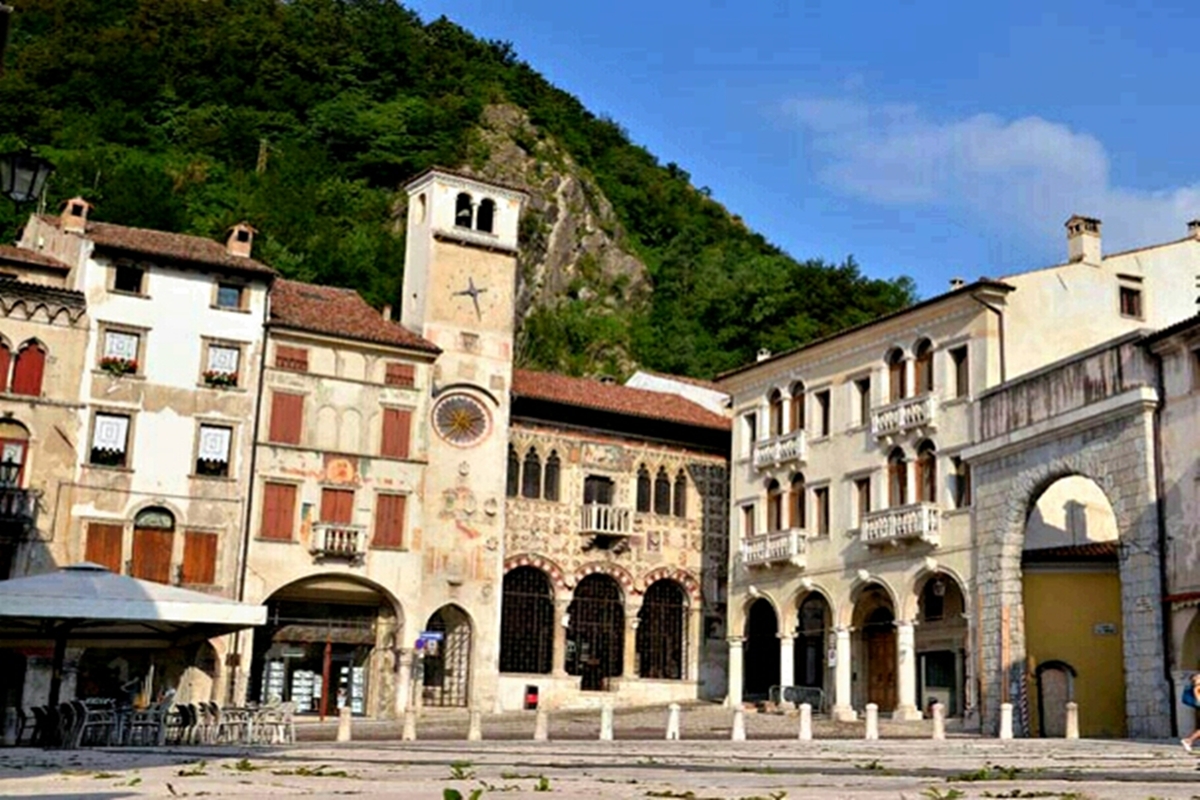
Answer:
[(596, 632), (527, 622), (662, 492), (597, 490), (485, 216), (962, 482), (660, 632), (774, 506), (531, 475), (798, 406), (514, 472), (550, 478), (28, 369), (643, 489), (923, 367), (797, 502), (897, 381), (776, 417), (463, 211), (927, 472), (897, 479), (681, 494)]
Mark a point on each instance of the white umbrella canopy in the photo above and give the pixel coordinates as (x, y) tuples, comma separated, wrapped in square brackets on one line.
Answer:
[(87, 605)]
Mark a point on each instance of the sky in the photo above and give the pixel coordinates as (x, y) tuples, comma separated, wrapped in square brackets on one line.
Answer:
[(929, 139)]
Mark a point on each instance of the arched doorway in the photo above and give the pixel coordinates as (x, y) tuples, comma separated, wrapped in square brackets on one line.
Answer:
[(1055, 688), (761, 650), (941, 644), (875, 621), (527, 622), (327, 645), (596, 632), (447, 682), (660, 633), (812, 642), (153, 543), (1069, 553)]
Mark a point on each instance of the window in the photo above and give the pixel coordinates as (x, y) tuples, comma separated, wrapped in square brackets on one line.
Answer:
[(287, 417), (747, 522), (486, 215), (222, 364), (513, 485), (5, 363), (774, 506), (680, 506), (927, 473), (821, 509), (923, 367), (199, 558), (597, 490), (897, 479), (751, 429), (862, 499), (397, 424), (962, 482), (128, 278), (463, 211), (389, 520), (550, 477), (120, 353), (1131, 302), (337, 506), (104, 545), (279, 511), (962, 375), (897, 380), (662, 492), (531, 475), (527, 622), (643, 489), (824, 412), (798, 503), (798, 406), (110, 440), (775, 420), (862, 391), (397, 374), (1195, 370), (29, 368), (230, 295), (291, 358), (212, 452)]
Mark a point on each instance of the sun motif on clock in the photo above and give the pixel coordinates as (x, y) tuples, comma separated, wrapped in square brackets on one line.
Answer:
[(460, 419)]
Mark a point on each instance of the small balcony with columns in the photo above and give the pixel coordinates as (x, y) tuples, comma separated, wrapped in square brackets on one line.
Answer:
[(788, 449), (910, 414), (913, 522), (776, 548)]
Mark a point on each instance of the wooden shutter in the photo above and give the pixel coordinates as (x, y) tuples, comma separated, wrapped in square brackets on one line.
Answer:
[(199, 557), (5, 362), (104, 545), (400, 374), (389, 520), (279, 511), (152, 554), (396, 426), (27, 374), (293, 358), (287, 417), (337, 505)]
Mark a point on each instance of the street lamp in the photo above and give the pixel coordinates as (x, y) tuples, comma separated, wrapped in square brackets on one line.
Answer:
[(23, 175), (9, 471)]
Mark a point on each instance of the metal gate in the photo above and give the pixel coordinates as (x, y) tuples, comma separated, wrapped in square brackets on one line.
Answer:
[(448, 667), (660, 632), (596, 632), (527, 622)]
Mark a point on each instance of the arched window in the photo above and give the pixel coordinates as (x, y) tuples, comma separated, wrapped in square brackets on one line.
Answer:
[(681, 484), (5, 363), (662, 492), (514, 472), (660, 631), (927, 472), (798, 406), (798, 502), (776, 415), (29, 368), (897, 478), (550, 479), (643, 489), (923, 367), (897, 380), (527, 622), (531, 475), (153, 541), (463, 212), (485, 216), (810, 647), (774, 506), (596, 632)]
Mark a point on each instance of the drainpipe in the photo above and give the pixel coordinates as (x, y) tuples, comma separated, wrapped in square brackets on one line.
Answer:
[(999, 312), (1161, 514)]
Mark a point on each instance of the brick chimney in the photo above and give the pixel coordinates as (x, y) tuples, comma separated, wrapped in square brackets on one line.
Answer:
[(1083, 240), (241, 240), (1194, 228), (75, 214)]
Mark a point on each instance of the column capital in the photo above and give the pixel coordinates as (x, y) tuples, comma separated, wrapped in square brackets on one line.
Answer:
[(735, 641), (903, 623), (843, 630), (785, 636)]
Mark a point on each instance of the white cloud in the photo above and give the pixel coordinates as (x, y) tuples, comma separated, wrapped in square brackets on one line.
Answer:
[(1028, 173)]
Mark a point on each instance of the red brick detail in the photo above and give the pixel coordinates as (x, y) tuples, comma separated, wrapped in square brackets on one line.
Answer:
[(619, 574), (552, 570), (681, 576)]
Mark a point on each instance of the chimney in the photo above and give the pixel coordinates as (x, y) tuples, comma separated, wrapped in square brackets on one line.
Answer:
[(75, 214), (957, 283), (387, 312), (764, 354), (1194, 228), (241, 240), (1083, 240)]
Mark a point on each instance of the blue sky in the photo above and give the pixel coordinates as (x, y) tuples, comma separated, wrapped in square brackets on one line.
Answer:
[(933, 139)]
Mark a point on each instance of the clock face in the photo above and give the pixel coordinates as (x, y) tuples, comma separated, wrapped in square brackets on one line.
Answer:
[(461, 420)]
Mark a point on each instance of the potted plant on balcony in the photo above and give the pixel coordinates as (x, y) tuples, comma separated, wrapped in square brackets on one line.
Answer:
[(118, 366), (217, 378), (107, 457)]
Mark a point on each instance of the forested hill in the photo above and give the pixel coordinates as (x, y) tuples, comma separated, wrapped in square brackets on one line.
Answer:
[(305, 118)]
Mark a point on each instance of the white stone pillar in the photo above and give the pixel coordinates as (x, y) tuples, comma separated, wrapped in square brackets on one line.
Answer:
[(345, 718), (736, 666), (872, 722), (606, 721), (1072, 721), (843, 711), (541, 726), (475, 726), (404, 682), (558, 659), (939, 721), (630, 669), (910, 377), (673, 722), (787, 660), (805, 722), (738, 732), (410, 726), (906, 673), (1006, 721)]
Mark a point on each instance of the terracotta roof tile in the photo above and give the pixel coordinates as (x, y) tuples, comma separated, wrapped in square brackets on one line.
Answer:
[(588, 393), (21, 255), (337, 312), (172, 246)]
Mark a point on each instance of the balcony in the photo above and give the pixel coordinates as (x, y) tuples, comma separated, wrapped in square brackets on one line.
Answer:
[(905, 415), (597, 519), (339, 541), (780, 450), (916, 522), (778, 547)]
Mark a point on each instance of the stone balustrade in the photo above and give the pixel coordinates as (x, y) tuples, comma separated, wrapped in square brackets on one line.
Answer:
[(912, 522), (779, 450), (339, 540), (904, 415), (600, 520), (777, 547)]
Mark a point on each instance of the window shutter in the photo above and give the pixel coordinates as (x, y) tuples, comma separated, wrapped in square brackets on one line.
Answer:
[(152, 554), (104, 545), (199, 557), (5, 361), (27, 374), (389, 520), (337, 505), (400, 374), (287, 417), (293, 358), (396, 426), (279, 509)]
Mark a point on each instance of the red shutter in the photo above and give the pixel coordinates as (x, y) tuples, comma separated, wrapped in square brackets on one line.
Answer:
[(152, 554), (389, 520), (396, 426), (279, 511), (104, 545), (293, 358), (337, 505), (199, 557), (5, 361), (27, 374), (400, 374), (287, 417)]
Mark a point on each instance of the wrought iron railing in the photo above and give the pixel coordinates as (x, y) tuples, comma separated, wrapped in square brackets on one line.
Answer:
[(17, 506)]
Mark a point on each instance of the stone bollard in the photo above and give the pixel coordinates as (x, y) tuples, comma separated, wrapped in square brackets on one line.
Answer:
[(805, 722), (541, 726), (410, 726), (872, 722), (344, 719), (475, 727), (738, 734), (1072, 720), (673, 722), (606, 722), (1006, 728), (939, 721)]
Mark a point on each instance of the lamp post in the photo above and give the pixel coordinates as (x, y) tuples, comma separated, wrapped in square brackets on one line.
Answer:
[(9, 471), (23, 175)]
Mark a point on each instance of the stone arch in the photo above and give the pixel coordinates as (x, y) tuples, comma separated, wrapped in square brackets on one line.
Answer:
[(792, 606), (864, 584), (738, 620), (1189, 644), (689, 582), (557, 577), (618, 573), (910, 601), (760, 648)]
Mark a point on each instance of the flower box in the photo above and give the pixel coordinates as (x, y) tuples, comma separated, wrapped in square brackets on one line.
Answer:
[(117, 366), (217, 378)]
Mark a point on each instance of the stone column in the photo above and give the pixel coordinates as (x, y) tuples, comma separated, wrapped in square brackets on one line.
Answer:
[(735, 671), (843, 711), (910, 377), (906, 673), (695, 643), (631, 625), (558, 659), (403, 681), (787, 659)]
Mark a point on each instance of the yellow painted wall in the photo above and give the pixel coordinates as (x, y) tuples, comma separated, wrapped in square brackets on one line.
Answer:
[(1061, 611)]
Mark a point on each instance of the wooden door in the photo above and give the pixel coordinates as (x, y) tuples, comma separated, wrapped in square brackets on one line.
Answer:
[(337, 505), (881, 668), (104, 545), (1054, 687), (152, 554)]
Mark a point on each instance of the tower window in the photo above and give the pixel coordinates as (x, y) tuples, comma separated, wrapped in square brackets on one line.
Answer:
[(463, 211), (486, 216)]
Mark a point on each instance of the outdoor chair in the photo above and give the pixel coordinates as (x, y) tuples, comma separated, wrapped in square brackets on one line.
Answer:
[(212, 722), (234, 725), (275, 724), (65, 718), (149, 726), (41, 726), (95, 722)]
